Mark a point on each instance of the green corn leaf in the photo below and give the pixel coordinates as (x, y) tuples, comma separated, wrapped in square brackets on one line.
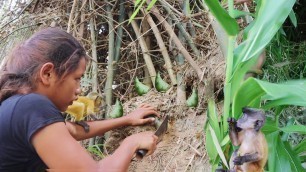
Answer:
[(141, 88), (213, 118), (270, 126), (217, 146), (160, 84), (193, 99), (294, 129), (303, 158), (292, 17), (238, 13), (300, 148), (225, 141), (225, 20), (281, 156), (117, 110), (267, 23), (210, 146), (253, 91)]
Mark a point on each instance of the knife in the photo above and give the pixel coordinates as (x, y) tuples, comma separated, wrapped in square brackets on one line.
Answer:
[(159, 132)]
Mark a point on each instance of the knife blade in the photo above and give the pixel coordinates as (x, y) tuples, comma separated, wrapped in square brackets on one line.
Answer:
[(159, 133)]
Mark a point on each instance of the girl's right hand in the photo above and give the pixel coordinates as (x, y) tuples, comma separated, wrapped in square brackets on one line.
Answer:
[(143, 140)]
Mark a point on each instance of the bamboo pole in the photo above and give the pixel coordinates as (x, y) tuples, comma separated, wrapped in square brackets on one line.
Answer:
[(93, 51), (182, 29), (163, 49), (181, 88), (75, 2), (145, 29), (110, 68), (177, 42), (94, 65), (119, 30), (81, 30), (144, 49)]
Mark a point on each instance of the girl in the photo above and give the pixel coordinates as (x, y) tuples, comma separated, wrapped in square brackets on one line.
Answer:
[(38, 81)]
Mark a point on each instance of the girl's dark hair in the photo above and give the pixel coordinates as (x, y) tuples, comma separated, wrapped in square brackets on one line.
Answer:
[(18, 74)]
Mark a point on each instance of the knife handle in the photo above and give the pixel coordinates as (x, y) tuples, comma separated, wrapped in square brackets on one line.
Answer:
[(141, 153)]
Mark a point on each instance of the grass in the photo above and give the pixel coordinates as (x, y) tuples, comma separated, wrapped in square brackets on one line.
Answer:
[(285, 60)]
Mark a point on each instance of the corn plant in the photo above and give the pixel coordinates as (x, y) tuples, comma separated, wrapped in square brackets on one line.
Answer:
[(238, 93)]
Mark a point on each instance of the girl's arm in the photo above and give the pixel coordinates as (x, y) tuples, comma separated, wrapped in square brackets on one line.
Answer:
[(60, 151), (97, 128)]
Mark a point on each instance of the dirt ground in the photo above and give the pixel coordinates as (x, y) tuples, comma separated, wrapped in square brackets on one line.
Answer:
[(182, 148)]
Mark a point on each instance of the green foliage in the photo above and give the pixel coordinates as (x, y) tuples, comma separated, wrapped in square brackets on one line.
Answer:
[(226, 21), (193, 99), (141, 88), (138, 6), (95, 149), (286, 60), (269, 17), (160, 84), (117, 110)]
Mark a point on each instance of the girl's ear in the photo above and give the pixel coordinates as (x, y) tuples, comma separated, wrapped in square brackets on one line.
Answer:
[(46, 73)]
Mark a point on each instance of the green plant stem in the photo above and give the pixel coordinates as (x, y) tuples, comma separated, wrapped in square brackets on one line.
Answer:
[(227, 85)]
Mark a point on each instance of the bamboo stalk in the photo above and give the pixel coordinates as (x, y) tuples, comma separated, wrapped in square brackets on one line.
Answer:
[(182, 29), (172, 8), (75, 2), (93, 52), (110, 67), (177, 42), (146, 28), (181, 89), (163, 49), (81, 31), (94, 65), (119, 30), (144, 49), (186, 11)]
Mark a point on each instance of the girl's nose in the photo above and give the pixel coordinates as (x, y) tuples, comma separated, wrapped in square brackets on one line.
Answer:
[(78, 91)]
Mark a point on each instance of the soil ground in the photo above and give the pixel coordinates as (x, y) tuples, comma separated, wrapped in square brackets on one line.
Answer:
[(182, 147)]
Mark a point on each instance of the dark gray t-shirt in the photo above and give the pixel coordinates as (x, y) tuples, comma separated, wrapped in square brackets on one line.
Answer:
[(20, 117)]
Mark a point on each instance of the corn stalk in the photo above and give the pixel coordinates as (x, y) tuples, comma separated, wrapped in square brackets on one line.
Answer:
[(270, 14)]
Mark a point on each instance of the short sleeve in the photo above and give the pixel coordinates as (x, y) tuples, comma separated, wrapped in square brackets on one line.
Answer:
[(34, 112)]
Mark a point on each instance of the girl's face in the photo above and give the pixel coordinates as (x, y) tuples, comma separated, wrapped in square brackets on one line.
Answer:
[(65, 90)]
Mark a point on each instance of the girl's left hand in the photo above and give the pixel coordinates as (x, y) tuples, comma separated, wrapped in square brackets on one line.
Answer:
[(138, 116)]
